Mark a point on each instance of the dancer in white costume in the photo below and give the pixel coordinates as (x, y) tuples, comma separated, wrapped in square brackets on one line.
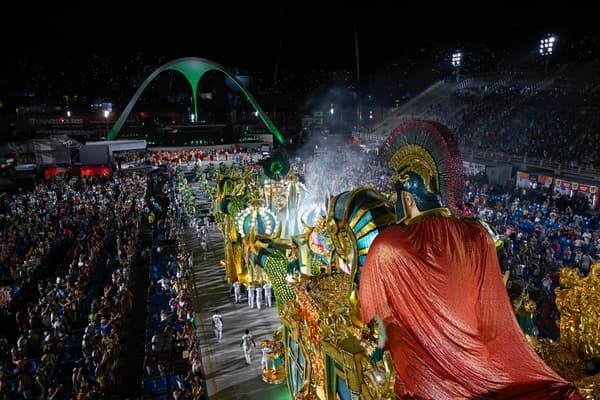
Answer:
[(217, 321), (264, 361), (251, 295), (268, 288), (237, 291), (246, 344), (259, 297)]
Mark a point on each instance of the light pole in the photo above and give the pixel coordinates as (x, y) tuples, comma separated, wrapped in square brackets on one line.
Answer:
[(106, 114), (547, 48), (457, 58)]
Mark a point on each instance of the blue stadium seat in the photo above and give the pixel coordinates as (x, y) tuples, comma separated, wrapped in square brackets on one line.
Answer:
[(155, 276), (150, 386), (32, 366), (161, 384), (173, 383)]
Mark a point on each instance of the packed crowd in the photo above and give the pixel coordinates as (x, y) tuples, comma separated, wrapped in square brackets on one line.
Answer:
[(68, 249), (93, 223), (192, 157), (529, 116), (541, 234)]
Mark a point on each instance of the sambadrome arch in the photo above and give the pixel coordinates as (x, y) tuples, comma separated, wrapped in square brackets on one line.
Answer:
[(192, 68)]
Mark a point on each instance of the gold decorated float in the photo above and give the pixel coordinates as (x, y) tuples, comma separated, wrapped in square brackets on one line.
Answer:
[(329, 353), (323, 350), (578, 349)]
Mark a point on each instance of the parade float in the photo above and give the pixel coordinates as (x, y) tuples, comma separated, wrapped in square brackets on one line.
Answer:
[(328, 352)]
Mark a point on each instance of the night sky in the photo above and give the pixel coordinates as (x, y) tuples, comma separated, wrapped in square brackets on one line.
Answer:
[(310, 36)]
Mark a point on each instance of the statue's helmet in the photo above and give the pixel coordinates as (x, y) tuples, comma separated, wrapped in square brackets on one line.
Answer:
[(427, 164)]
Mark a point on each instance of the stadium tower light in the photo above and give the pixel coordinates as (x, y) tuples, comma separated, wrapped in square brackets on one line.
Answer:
[(547, 45), (547, 48), (457, 58)]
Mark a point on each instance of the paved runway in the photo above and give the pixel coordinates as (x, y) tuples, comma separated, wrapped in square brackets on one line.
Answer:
[(227, 375)]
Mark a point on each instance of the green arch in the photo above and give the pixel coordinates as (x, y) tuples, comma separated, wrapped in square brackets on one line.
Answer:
[(192, 68)]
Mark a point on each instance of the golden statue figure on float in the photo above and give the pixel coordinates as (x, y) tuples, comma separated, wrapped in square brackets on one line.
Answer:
[(273, 362)]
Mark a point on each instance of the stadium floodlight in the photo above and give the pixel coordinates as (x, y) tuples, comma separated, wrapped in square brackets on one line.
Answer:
[(547, 45), (457, 59)]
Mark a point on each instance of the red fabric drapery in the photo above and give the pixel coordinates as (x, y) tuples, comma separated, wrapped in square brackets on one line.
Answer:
[(451, 328)]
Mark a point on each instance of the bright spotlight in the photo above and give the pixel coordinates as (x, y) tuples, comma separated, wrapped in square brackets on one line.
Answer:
[(547, 45), (457, 59)]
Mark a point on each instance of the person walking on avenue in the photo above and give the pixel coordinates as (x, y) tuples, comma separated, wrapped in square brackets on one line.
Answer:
[(264, 361), (259, 297), (237, 291), (251, 294), (268, 288), (217, 322), (247, 341)]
